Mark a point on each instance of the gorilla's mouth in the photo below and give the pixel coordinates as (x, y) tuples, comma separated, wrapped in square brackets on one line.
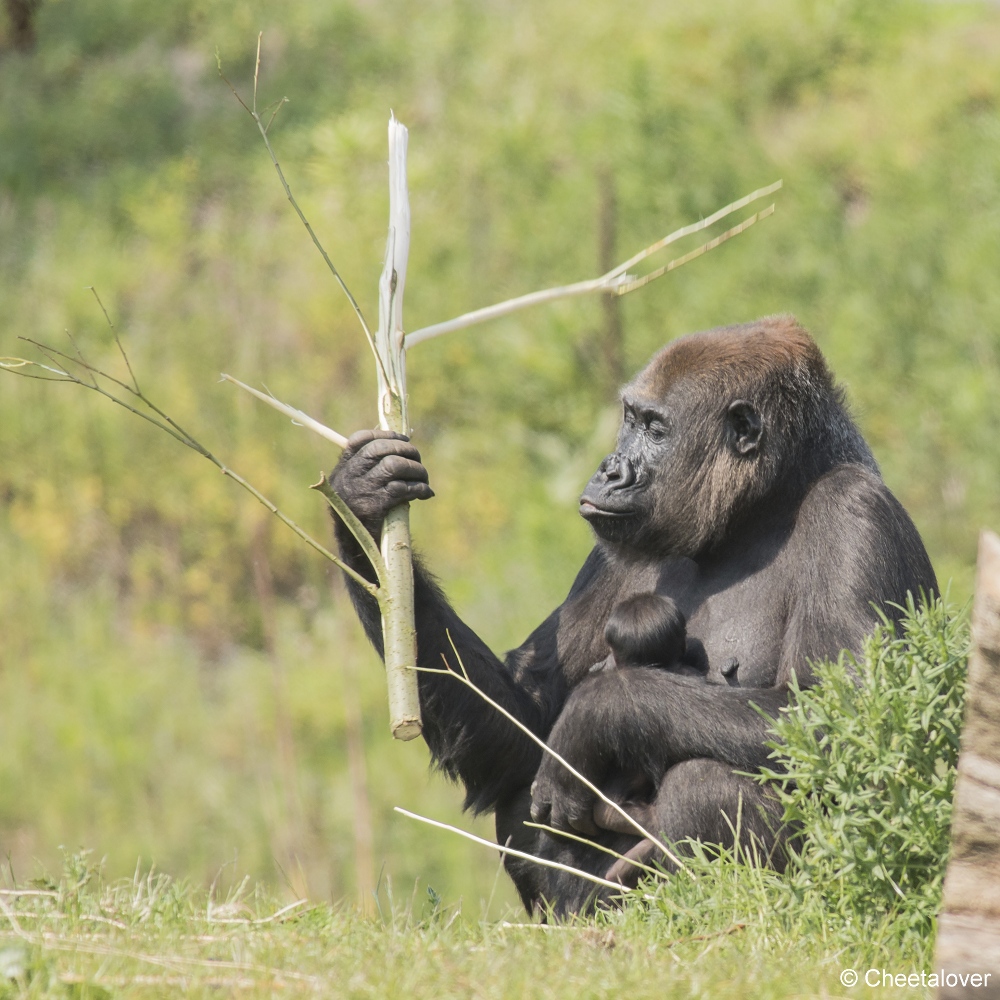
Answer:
[(591, 512)]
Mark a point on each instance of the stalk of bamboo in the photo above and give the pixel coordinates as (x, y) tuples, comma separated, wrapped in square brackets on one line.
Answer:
[(968, 943)]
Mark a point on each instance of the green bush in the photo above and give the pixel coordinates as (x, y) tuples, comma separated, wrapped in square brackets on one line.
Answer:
[(866, 769)]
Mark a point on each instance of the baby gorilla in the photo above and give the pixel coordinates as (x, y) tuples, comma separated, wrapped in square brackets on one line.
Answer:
[(646, 630)]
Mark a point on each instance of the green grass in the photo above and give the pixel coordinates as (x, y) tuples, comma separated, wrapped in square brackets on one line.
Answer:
[(151, 936)]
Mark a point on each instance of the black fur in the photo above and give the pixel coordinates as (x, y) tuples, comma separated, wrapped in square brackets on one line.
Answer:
[(646, 630), (741, 491)]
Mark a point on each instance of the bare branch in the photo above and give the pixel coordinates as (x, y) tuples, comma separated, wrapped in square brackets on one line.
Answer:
[(256, 72), (615, 282), (505, 308), (630, 286), (289, 411), (169, 426), (356, 528), (596, 879), (14, 364), (697, 227), (399, 632), (121, 350)]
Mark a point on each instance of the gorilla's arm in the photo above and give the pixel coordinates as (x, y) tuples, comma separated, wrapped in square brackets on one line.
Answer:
[(468, 738), (644, 721)]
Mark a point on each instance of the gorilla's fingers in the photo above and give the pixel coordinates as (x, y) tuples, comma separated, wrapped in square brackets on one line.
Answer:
[(360, 438), (610, 819), (572, 809), (584, 824), (385, 448), (540, 811), (400, 490), (624, 871), (398, 467)]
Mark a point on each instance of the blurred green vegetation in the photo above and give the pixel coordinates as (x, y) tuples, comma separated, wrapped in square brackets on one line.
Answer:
[(154, 701)]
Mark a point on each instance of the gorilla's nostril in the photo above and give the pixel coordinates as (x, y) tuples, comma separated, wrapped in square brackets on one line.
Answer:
[(612, 467), (626, 473)]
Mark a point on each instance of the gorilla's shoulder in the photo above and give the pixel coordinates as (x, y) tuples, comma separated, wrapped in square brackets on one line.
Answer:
[(851, 493), (850, 523)]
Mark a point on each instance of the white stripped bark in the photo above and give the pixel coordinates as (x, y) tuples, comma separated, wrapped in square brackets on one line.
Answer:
[(968, 940), (289, 411), (617, 281), (399, 633)]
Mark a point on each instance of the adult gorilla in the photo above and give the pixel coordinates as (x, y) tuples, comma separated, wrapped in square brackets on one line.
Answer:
[(741, 490)]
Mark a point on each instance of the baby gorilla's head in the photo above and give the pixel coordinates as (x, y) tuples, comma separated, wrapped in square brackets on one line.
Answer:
[(646, 630)]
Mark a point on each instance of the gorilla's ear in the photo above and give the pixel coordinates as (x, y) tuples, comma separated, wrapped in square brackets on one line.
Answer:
[(745, 425)]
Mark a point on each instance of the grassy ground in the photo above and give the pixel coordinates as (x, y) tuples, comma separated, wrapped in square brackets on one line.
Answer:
[(151, 936)]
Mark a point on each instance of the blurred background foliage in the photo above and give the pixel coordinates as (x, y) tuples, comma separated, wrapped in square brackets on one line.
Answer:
[(184, 682)]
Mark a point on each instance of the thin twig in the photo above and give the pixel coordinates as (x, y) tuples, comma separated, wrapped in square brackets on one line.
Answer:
[(290, 411), (257, 922), (631, 286), (185, 982), (169, 961), (188, 439), (121, 350), (256, 71), (510, 850), (615, 282), (291, 198), (506, 925), (658, 872), (732, 929), (278, 105), (697, 227), (169, 426), (8, 912), (464, 679), (14, 364)]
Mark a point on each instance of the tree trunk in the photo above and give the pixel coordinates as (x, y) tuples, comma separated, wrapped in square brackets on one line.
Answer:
[(612, 337), (969, 924), (22, 23)]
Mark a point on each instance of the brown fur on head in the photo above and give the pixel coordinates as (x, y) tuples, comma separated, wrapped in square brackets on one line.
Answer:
[(746, 411)]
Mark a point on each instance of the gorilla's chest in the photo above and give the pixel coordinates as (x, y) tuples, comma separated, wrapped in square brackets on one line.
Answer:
[(735, 620)]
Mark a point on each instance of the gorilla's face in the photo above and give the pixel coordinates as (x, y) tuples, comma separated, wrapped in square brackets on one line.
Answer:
[(668, 487), (619, 500)]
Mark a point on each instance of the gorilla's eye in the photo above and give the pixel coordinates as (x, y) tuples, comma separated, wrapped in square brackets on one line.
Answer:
[(656, 430), (653, 425)]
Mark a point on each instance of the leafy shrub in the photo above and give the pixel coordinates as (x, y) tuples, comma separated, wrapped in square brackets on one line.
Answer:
[(865, 767)]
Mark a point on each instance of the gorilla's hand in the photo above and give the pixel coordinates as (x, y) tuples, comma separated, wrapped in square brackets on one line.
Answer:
[(377, 471), (558, 797)]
